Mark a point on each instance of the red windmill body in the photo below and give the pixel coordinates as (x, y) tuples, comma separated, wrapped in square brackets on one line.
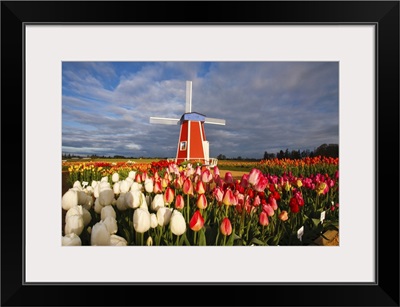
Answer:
[(192, 144)]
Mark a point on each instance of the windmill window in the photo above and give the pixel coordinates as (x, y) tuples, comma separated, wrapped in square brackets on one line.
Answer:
[(183, 145)]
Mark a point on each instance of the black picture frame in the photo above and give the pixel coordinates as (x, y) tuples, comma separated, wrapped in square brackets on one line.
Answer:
[(383, 14)]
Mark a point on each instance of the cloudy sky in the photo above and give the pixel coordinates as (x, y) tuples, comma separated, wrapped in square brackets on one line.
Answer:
[(267, 106)]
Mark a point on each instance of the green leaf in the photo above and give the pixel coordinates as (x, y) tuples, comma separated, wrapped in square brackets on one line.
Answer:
[(316, 222), (257, 241), (202, 238)]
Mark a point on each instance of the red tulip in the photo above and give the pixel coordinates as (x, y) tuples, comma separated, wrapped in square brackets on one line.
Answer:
[(197, 221), (188, 186), (169, 195), (179, 202), (226, 227), (157, 189)]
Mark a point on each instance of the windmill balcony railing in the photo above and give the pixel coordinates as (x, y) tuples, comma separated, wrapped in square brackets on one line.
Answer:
[(210, 162)]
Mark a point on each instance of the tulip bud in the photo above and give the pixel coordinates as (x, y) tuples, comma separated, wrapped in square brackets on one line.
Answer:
[(69, 199), (283, 216), (117, 241), (226, 227), (111, 224), (188, 186), (178, 224), (115, 177), (148, 185), (107, 211), (71, 239), (179, 202), (149, 241), (157, 202), (200, 188), (263, 219), (106, 196), (164, 216), (153, 220), (100, 235), (132, 175), (197, 221), (141, 220), (201, 201), (169, 195)]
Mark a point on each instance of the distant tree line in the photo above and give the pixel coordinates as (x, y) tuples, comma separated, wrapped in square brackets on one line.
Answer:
[(325, 150)]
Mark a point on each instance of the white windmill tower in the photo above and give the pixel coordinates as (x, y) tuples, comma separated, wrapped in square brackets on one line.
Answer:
[(192, 144)]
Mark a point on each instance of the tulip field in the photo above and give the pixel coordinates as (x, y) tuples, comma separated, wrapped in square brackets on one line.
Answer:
[(159, 203)]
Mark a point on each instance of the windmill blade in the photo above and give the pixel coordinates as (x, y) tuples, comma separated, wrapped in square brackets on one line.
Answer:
[(188, 107), (215, 121), (164, 120)]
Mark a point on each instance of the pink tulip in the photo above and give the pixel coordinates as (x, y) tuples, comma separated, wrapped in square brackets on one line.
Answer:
[(218, 194), (261, 184), (206, 176), (263, 219), (228, 177), (254, 176), (268, 209), (226, 227)]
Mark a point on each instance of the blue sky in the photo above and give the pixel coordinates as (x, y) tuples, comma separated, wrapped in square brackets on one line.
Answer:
[(267, 106)]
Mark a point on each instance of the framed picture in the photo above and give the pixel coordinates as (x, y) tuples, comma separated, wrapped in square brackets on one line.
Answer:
[(361, 36)]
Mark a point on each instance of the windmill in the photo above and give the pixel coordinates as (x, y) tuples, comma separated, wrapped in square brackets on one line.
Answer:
[(192, 143)]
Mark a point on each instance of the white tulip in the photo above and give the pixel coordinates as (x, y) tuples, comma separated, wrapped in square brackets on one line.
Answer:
[(94, 183), (77, 210), (82, 197), (97, 206), (149, 241), (71, 240), (133, 199), (136, 186), (143, 203), (104, 179), (106, 197), (115, 177), (78, 185), (107, 211), (129, 180), (96, 190), (157, 202), (111, 224), (121, 203), (100, 234), (164, 216), (104, 185), (141, 220), (132, 174), (89, 202), (177, 223), (148, 185), (124, 186), (69, 199), (118, 241), (153, 220), (89, 190), (74, 224), (116, 188), (87, 217)]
